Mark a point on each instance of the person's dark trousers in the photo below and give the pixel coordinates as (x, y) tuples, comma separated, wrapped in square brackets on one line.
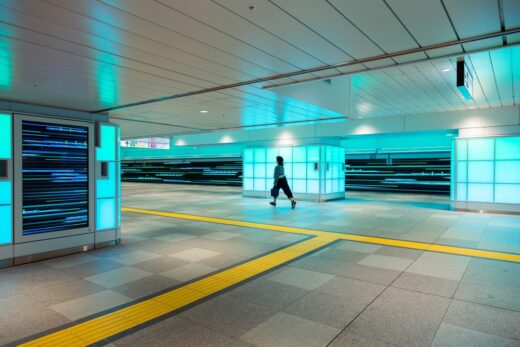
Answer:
[(282, 183)]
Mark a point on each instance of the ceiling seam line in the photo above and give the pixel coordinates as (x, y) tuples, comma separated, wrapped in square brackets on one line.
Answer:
[(184, 35), (119, 43), (236, 38), (358, 29), (495, 79), (314, 31), (451, 23), (479, 83), (90, 58), (265, 30), (404, 26), (315, 69)]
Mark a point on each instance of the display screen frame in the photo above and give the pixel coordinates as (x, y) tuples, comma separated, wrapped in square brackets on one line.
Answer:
[(19, 236)]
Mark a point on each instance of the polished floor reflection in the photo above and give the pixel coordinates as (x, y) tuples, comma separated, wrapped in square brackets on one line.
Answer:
[(348, 293)]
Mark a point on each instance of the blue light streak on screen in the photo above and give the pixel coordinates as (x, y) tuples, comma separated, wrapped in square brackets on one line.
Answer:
[(55, 177)]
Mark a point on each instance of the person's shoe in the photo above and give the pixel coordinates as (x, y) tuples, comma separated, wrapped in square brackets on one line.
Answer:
[(272, 203), (293, 204)]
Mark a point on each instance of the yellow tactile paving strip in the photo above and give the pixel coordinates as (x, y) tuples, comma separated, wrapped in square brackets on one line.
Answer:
[(511, 257), (119, 321), (110, 324)]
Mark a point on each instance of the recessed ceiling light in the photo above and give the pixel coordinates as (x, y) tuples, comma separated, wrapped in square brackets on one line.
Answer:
[(446, 70), (203, 111)]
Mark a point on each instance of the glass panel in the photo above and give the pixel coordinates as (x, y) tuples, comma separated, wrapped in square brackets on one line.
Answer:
[(299, 171), (462, 171), (248, 155), (313, 153), (107, 151), (508, 148), (5, 193), (311, 173), (299, 154), (462, 192), (248, 170), (271, 155), (270, 170), (313, 186), (300, 186), (481, 149), (286, 153), (507, 171), (288, 168), (329, 153), (106, 214), (328, 186), (260, 170), (5, 136), (260, 184), (248, 184), (480, 171), (480, 192), (507, 193), (106, 188), (6, 231), (462, 150), (259, 155)]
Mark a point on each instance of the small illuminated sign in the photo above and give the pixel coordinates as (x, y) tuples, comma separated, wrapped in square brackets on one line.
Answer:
[(147, 142), (464, 80)]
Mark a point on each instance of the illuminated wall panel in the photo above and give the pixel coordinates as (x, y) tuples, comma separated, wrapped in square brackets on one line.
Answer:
[(108, 186), (305, 168), (6, 223), (487, 170)]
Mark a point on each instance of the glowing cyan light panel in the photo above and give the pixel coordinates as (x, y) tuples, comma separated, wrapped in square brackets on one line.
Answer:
[(107, 81), (5, 186), (5, 136), (6, 67), (108, 188), (305, 167), (488, 170)]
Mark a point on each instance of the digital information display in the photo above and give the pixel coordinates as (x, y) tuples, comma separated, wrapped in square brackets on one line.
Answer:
[(55, 177)]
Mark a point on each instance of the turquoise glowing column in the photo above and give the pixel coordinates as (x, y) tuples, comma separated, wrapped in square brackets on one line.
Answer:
[(487, 173), (6, 215), (314, 172), (107, 187)]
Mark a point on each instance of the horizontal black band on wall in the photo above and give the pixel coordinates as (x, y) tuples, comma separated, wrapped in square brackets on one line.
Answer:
[(418, 175), (188, 171)]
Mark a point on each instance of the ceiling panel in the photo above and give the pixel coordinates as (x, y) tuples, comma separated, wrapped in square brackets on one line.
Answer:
[(483, 69), (432, 26), (474, 17), (331, 25), (242, 29), (376, 20), (165, 18), (511, 13), (273, 20)]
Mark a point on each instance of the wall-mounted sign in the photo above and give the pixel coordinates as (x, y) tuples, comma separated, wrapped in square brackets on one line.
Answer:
[(464, 80), (147, 142)]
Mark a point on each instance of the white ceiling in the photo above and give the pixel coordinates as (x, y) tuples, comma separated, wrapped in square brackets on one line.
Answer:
[(91, 55)]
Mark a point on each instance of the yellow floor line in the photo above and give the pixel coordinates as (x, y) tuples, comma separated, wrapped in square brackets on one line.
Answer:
[(511, 257), (105, 326)]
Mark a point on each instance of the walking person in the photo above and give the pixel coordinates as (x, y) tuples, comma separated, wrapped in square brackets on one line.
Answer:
[(280, 181)]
